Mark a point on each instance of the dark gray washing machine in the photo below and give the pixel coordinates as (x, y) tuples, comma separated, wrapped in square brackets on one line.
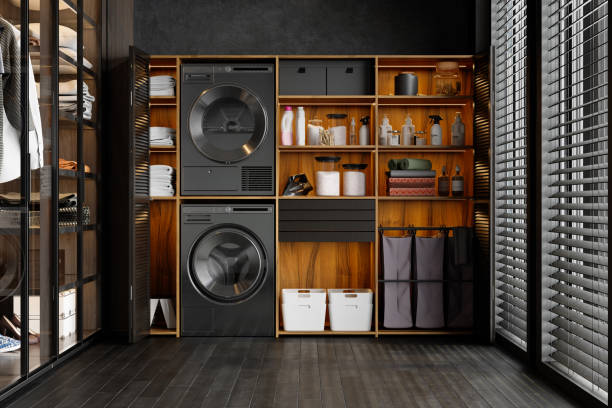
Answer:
[(227, 129), (227, 270)]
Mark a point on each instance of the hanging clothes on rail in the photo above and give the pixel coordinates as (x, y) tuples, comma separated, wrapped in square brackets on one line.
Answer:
[(10, 105)]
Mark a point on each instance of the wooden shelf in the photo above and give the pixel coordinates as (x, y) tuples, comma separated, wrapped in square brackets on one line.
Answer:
[(162, 149), (315, 197), (160, 198), (421, 332), (425, 100), (326, 332), (154, 331), (424, 149), (162, 100), (343, 100), (308, 149), (270, 197), (422, 198)]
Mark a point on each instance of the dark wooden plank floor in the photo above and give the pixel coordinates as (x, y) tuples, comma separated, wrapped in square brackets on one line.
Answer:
[(292, 372)]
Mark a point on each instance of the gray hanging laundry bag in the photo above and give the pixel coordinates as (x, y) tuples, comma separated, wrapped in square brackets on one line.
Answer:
[(397, 256), (460, 266), (429, 295)]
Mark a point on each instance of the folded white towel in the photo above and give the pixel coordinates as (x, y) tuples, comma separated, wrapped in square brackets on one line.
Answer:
[(162, 142), (162, 79), (164, 178), (72, 54), (161, 169), (163, 92), (67, 36), (160, 130), (161, 193)]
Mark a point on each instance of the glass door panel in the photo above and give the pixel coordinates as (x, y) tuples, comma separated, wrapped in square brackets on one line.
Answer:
[(42, 233), (13, 220)]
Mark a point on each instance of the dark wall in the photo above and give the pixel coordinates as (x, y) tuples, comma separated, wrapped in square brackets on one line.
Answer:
[(304, 26)]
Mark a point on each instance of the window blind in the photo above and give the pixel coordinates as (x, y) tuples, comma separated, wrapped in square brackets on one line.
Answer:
[(575, 191), (509, 37)]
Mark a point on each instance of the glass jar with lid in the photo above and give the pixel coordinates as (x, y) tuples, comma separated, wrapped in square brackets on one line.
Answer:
[(315, 131), (337, 128), (327, 176), (447, 78), (354, 179)]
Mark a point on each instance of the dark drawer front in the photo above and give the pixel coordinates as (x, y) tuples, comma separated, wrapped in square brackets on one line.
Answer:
[(350, 78), (301, 78), (326, 221)]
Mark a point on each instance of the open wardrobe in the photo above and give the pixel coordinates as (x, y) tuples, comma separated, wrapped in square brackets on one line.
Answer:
[(49, 182)]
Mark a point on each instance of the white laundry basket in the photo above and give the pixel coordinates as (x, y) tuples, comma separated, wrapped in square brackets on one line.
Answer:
[(350, 309), (303, 309)]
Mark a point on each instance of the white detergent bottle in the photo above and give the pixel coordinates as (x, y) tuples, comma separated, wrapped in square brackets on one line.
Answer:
[(385, 130), (300, 132), (408, 132), (287, 127), (364, 131), (436, 130), (458, 131)]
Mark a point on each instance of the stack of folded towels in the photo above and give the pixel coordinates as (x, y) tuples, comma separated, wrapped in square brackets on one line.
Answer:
[(162, 85), (68, 98), (161, 136), (411, 177), (161, 180), (67, 45)]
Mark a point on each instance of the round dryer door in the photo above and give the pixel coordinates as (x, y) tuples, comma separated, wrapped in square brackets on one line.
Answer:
[(227, 123), (227, 264)]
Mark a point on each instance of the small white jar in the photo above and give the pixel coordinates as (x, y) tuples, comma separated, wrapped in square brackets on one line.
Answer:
[(354, 179)]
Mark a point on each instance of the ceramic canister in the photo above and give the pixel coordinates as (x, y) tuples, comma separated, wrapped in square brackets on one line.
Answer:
[(406, 83)]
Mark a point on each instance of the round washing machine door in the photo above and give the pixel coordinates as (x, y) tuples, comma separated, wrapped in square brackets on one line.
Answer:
[(227, 264), (227, 123)]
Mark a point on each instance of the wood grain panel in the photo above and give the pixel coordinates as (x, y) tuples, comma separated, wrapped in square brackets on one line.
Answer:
[(163, 249), (424, 214), (465, 160), (163, 116), (294, 163), (325, 265), (422, 122), (386, 79), (321, 111)]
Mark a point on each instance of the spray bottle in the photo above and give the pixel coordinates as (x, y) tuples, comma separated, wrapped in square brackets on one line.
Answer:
[(385, 129), (408, 132), (436, 130), (458, 131), (364, 131)]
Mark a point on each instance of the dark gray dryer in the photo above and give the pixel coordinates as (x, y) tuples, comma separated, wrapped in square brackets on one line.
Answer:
[(227, 270), (227, 129)]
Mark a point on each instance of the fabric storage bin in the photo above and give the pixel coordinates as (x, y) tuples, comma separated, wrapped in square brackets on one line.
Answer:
[(397, 258), (350, 309), (303, 309), (460, 267), (350, 77), (429, 295), (297, 77)]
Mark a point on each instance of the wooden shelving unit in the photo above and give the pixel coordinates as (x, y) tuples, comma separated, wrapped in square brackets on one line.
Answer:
[(331, 264), (165, 211)]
